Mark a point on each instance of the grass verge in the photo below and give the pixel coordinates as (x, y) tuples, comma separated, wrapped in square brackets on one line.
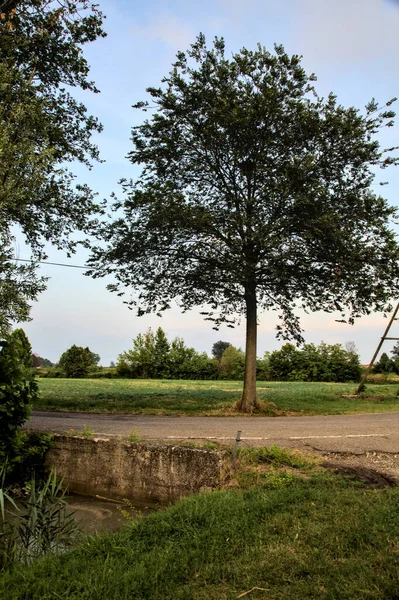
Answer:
[(166, 397), (317, 537)]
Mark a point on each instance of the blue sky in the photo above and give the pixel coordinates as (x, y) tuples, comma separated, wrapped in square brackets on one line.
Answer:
[(353, 48)]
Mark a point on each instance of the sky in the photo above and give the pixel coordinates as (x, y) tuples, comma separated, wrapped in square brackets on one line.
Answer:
[(353, 48)]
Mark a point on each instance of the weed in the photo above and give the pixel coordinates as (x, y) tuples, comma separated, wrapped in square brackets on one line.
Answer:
[(272, 478), (267, 409), (209, 445), (277, 479), (206, 445), (133, 436), (86, 432), (276, 456), (128, 511), (4, 496), (41, 525)]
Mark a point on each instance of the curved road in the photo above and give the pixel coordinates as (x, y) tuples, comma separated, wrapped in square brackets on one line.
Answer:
[(354, 434)]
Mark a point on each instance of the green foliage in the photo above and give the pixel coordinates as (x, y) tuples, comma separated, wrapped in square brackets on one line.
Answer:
[(18, 389), (255, 194), (22, 343), (395, 351), (42, 525), (232, 363), (218, 348), (103, 373), (85, 432), (4, 496), (133, 436), (152, 356), (40, 362), (128, 511), (387, 365), (42, 129), (283, 362), (52, 372), (19, 285), (161, 354), (275, 455), (31, 459), (141, 361), (77, 361), (314, 363), (272, 478)]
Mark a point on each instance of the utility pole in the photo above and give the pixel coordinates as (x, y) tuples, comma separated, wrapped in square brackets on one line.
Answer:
[(382, 340)]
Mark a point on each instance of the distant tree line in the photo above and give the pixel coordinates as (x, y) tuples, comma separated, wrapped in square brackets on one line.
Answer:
[(386, 364), (153, 356), (39, 361), (313, 363)]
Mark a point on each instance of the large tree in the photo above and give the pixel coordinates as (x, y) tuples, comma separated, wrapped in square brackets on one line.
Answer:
[(42, 129), (218, 348), (255, 194), (77, 361)]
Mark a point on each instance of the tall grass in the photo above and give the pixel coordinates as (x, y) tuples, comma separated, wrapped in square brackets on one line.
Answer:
[(319, 538), (36, 525)]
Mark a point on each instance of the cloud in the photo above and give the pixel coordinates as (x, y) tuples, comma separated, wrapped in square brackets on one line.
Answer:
[(168, 30), (348, 31)]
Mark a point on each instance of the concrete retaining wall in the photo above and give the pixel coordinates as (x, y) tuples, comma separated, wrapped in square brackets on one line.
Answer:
[(139, 471)]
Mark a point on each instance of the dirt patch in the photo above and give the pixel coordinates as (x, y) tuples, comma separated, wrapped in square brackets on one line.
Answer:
[(375, 469)]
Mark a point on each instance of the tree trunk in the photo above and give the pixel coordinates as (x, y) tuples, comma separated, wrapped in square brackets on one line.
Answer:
[(248, 400)]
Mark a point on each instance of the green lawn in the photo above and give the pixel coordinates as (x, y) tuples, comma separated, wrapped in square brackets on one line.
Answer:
[(166, 397), (315, 538)]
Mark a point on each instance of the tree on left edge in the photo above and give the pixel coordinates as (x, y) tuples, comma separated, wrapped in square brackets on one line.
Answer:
[(42, 128)]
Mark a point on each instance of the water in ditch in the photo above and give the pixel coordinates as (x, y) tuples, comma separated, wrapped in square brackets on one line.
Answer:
[(96, 515)]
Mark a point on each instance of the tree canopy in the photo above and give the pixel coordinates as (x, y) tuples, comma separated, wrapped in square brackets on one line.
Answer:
[(218, 348), (313, 363), (42, 129), (77, 361), (255, 194), (153, 356)]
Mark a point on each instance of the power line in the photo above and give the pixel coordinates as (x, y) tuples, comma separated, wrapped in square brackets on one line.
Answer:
[(46, 262)]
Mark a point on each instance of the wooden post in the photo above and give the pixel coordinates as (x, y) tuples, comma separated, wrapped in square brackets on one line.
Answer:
[(384, 337)]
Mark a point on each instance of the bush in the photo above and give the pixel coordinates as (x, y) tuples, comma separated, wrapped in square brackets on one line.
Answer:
[(76, 362), (284, 364), (153, 357), (232, 364), (18, 389), (104, 373), (384, 365), (50, 372), (314, 363), (31, 459)]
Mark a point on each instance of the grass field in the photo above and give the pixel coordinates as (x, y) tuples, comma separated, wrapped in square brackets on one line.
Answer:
[(166, 397), (320, 537)]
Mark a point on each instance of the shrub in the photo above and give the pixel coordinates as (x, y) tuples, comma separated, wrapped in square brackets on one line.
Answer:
[(31, 459), (50, 373), (314, 363), (232, 364), (18, 389), (77, 361)]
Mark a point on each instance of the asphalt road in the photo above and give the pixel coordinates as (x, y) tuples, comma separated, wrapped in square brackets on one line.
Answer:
[(338, 433)]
